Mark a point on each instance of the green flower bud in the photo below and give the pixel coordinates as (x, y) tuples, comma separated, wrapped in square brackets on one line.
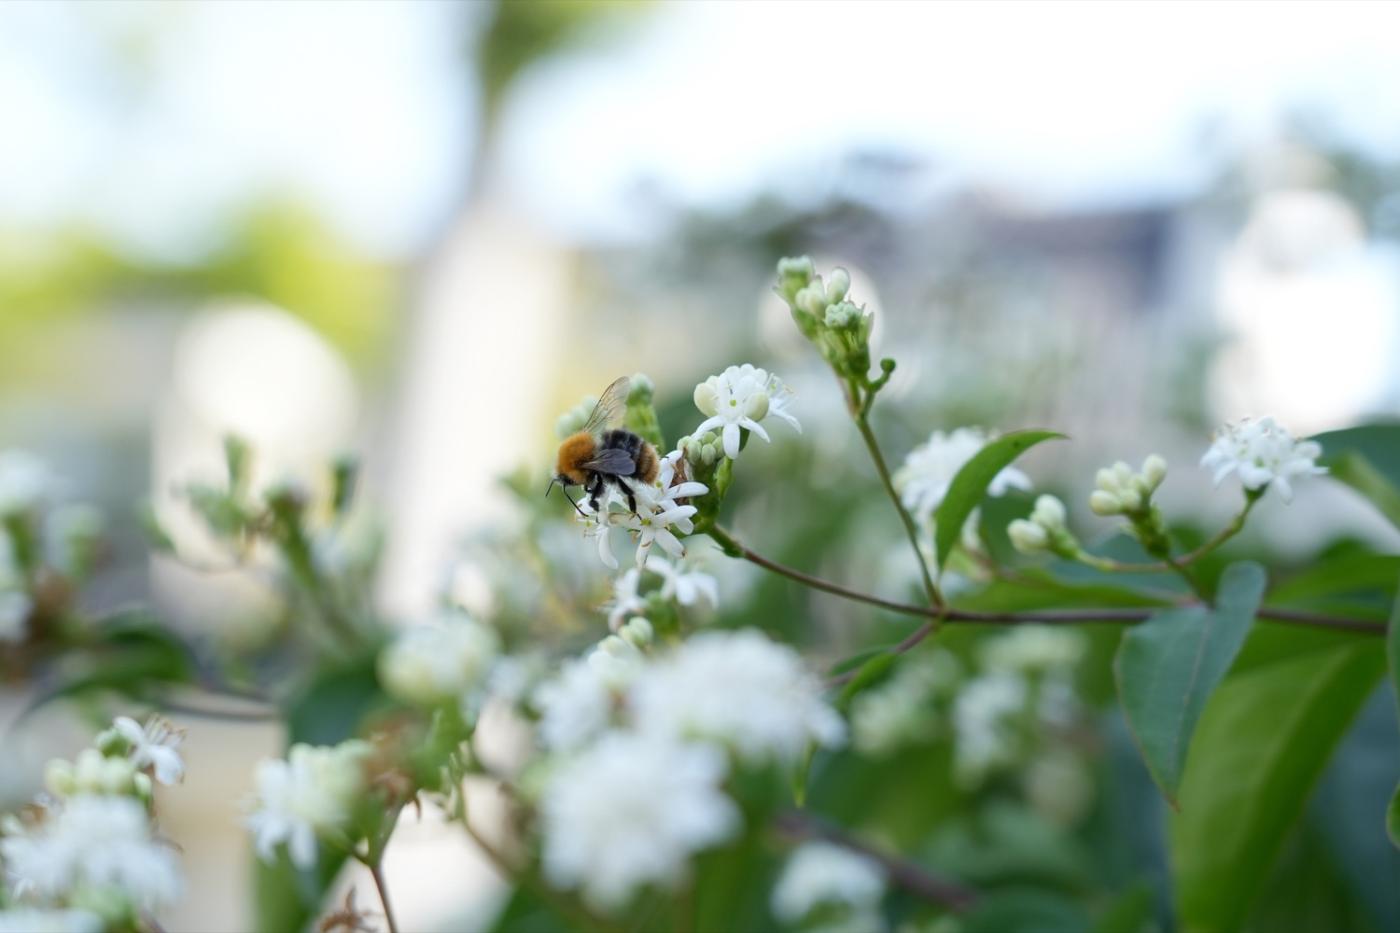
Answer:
[(642, 390), (844, 315), (794, 274), (59, 778), (709, 454)]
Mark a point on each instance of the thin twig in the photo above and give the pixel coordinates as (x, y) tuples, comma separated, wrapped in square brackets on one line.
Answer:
[(377, 873), (935, 598), (1117, 616), (904, 873)]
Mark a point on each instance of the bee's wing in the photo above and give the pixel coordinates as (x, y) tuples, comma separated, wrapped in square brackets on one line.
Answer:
[(610, 406), (614, 461)]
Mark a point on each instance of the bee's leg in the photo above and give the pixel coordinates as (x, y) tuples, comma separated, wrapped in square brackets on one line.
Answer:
[(631, 500), (595, 491)]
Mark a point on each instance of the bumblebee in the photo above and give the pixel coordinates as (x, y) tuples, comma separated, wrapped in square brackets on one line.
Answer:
[(602, 455)]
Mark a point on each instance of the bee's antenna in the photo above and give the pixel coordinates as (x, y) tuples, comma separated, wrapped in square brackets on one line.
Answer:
[(550, 488)]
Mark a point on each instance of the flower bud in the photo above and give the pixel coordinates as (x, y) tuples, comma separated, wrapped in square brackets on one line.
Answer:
[(756, 406), (843, 314), (641, 389), (1130, 497), (706, 398), (59, 778), (637, 632), (838, 285), (1103, 502), (1106, 480), (1049, 513), (794, 274), (1027, 536), (812, 299), (1154, 470)]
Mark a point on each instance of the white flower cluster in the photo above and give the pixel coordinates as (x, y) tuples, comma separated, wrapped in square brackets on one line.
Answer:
[(824, 875), (661, 506), (311, 793), (648, 743), (90, 845), (90, 849), (680, 582), (1120, 491), (1263, 454), (740, 398), (928, 471), (429, 665)]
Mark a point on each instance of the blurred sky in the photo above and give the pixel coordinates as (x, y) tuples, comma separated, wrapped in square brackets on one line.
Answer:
[(155, 120)]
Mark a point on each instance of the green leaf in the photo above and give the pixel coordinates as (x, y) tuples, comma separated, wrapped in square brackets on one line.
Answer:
[(287, 898), (133, 655), (1167, 668), (969, 487), (331, 706), (1361, 475), (1367, 458), (1260, 747)]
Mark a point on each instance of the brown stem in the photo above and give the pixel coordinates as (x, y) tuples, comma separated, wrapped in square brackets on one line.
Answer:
[(904, 873), (1036, 616), (377, 873), (935, 598)]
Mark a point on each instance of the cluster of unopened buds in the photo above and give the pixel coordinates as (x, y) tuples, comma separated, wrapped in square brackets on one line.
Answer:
[(1122, 492), (1044, 530)]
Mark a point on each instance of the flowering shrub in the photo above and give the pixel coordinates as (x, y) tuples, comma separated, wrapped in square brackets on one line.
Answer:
[(703, 755)]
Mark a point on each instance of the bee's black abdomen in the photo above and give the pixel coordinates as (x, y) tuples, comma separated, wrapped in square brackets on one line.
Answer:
[(618, 439)]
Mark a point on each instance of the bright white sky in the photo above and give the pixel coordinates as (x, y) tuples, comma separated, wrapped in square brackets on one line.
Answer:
[(367, 109)]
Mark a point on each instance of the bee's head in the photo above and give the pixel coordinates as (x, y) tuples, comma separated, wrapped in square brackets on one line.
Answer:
[(565, 483)]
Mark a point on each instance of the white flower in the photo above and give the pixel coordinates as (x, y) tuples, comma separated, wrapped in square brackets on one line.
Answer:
[(685, 586), (93, 842), (626, 601), (37, 920), (25, 482), (741, 397), (15, 607), (820, 873), (1263, 453), (631, 811), (578, 705), (433, 664), (929, 469), (1030, 649), (982, 718), (154, 747), (739, 689), (310, 793), (658, 511)]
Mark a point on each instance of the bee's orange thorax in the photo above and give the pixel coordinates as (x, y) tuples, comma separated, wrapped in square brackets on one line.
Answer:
[(576, 450)]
